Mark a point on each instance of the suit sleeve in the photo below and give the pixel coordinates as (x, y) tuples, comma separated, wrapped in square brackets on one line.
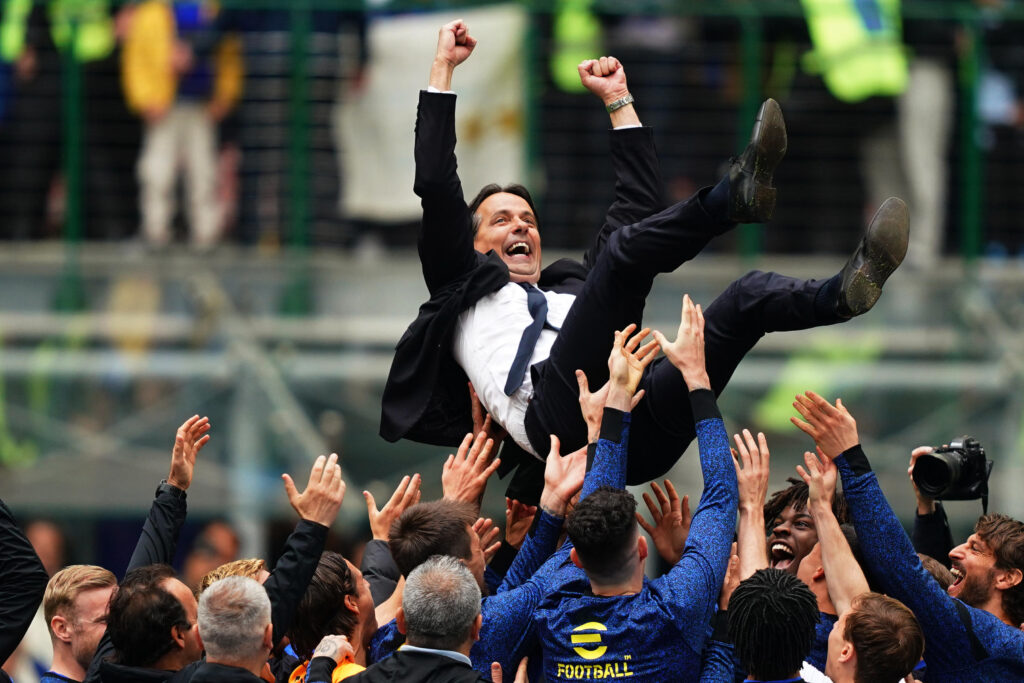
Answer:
[(156, 545), (638, 185), (379, 570), (22, 582), (445, 240), (292, 574), (693, 584), (894, 563)]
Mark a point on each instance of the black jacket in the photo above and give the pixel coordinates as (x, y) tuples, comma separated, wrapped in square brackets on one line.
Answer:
[(426, 398), (22, 582), (416, 667), (219, 673)]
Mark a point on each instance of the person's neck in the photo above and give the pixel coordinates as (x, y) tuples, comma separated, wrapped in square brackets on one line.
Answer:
[(172, 661), (995, 605), (357, 641), (462, 649), (65, 664), (631, 586), (825, 604), (254, 666)]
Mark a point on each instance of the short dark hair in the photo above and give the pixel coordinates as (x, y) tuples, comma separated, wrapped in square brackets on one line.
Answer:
[(322, 611), (796, 495), (603, 529), (772, 618), (886, 636), (493, 188), (938, 570), (1005, 536), (142, 615), (434, 528)]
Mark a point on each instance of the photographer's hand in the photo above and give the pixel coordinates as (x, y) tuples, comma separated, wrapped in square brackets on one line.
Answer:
[(925, 505)]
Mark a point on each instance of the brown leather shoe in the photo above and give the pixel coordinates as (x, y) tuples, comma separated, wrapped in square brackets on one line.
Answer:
[(878, 255), (751, 193)]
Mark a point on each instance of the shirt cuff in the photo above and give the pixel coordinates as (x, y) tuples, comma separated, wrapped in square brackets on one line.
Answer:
[(703, 405), (432, 89), (612, 423), (628, 125), (857, 460), (321, 669)]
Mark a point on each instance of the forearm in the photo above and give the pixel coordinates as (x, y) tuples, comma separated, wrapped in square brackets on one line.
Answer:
[(379, 570), (843, 574), (292, 574), (932, 536), (752, 544), (441, 75), (609, 465), (539, 545), (718, 660), (159, 538)]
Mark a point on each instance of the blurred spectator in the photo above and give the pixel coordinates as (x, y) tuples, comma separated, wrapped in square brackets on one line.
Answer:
[(183, 74), (49, 543), (215, 545), (41, 41)]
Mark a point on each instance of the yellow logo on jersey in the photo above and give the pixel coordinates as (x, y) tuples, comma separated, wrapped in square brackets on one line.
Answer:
[(589, 639)]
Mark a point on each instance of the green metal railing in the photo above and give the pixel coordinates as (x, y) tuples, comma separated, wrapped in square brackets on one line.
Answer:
[(749, 14)]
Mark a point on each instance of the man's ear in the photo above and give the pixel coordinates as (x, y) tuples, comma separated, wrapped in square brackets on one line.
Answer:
[(819, 574), (477, 625), (1008, 578), (268, 638), (847, 653), (61, 628), (352, 603), (575, 558), (641, 547), (400, 620), (178, 634)]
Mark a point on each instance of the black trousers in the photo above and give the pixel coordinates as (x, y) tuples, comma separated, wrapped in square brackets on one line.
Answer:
[(614, 296)]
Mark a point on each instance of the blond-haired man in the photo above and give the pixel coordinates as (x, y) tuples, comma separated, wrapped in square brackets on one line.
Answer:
[(75, 607)]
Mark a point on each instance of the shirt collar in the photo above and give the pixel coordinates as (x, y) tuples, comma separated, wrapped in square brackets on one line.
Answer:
[(451, 654)]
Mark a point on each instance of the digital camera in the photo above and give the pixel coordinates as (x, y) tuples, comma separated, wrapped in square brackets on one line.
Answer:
[(958, 471)]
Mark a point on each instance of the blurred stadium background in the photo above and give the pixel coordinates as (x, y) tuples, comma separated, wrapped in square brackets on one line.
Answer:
[(282, 331)]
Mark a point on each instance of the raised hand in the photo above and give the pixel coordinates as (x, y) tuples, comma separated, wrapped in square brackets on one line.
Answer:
[(488, 535), (687, 352), (482, 421), (518, 519), (188, 441), (821, 475), (454, 45), (626, 362), (322, 498), (563, 477), (751, 460), (335, 647), (604, 77), (671, 521), (831, 427), (732, 579), (406, 495), (465, 474), (925, 505)]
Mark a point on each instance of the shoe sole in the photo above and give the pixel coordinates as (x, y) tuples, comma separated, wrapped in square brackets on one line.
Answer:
[(885, 246), (769, 142)]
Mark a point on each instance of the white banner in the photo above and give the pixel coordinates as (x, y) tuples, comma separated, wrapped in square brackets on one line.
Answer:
[(377, 124)]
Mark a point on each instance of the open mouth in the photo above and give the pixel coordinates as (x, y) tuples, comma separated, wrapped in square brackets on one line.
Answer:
[(958, 577), (781, 556), (518, 249)]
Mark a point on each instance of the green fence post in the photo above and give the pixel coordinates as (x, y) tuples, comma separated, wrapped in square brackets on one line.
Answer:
[(971, 155), (297, 296), (751, 49), (70, 296)]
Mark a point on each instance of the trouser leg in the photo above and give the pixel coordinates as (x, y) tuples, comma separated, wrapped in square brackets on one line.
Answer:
[(613, 296), (749, 308), (157, 170), (201, 177)]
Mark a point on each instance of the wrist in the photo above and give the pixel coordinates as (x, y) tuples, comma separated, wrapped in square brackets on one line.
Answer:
[(752, 508), (441, 71), (819, 507), (696, 380), (552, 504), (619, 398), (925, 506), (610, 98)]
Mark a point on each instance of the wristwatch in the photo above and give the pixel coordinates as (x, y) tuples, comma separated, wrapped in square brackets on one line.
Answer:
[(165, 487)]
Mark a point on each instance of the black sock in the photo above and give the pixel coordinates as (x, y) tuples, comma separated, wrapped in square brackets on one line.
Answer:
[(827, 298), (716, 201)]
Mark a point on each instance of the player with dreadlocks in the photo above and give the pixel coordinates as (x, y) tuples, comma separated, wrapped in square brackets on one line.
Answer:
[(790, 529), (772, 616)]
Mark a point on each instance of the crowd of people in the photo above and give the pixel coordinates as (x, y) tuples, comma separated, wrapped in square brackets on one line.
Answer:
[(807, 584)]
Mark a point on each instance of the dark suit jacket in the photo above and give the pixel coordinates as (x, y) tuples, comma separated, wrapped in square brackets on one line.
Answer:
[(426, 398)]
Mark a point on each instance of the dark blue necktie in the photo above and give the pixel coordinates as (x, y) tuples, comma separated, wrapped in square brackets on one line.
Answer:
[(537, 305)]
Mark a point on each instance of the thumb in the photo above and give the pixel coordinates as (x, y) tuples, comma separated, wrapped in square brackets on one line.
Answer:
[(289, 487), (555, 446), (496, 676), (660, 338), (371, 504)]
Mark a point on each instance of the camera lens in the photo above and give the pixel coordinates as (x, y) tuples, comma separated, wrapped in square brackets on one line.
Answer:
[(936, 473)]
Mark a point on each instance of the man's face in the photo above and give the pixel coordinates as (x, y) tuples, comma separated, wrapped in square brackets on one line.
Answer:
[(367, 614), (836, 643), (89, 622), (973, 571), (192, 649), (509, 227), (476, 562), (793, 536)]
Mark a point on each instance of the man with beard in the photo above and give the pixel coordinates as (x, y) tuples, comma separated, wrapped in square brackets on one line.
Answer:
[(75, 608), (972, 629)]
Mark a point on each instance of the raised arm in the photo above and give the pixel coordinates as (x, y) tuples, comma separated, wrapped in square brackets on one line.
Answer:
[(378, 567), (752, 479), (22, 582), (446, 236), (317, 507), (885, 545), (843, 575), (931, 534)]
